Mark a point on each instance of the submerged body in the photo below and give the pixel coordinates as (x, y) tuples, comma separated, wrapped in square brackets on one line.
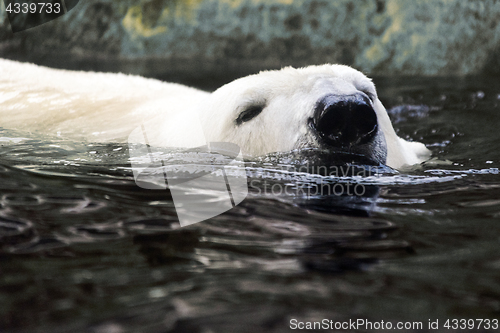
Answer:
[(330, 107)]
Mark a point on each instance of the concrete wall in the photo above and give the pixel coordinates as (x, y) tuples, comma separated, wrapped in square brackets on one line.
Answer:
[(209, 37)]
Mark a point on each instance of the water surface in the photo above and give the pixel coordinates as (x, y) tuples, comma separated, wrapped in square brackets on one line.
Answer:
[(83, 249)]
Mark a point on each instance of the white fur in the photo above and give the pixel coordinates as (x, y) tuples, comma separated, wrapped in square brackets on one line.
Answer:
[(103, 107)]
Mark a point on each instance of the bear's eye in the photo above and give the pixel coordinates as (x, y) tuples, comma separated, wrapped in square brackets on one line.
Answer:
[(249, 113), (370, 95)]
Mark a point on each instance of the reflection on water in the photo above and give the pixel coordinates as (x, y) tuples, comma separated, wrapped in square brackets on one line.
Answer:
[(82, 248)]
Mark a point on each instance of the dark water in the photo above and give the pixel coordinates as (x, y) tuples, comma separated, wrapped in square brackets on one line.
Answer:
[(83, 249)]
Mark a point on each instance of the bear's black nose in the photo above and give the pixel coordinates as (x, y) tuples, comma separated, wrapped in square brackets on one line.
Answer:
[(345, 121)]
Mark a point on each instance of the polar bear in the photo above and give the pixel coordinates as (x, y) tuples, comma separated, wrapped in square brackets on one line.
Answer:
[(329, 107)]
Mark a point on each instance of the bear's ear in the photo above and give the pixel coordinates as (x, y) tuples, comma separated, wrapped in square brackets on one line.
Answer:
[(249, 113)]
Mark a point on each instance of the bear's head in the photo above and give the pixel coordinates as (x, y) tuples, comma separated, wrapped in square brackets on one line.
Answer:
[(329, 107)]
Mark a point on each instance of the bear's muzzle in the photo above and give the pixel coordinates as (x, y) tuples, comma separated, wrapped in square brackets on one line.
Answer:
[(344, 122)]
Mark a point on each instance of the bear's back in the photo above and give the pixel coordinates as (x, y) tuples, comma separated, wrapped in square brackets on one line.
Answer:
[(84, 105)]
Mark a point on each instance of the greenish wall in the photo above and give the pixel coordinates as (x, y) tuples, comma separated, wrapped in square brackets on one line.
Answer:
[(151, 37)]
